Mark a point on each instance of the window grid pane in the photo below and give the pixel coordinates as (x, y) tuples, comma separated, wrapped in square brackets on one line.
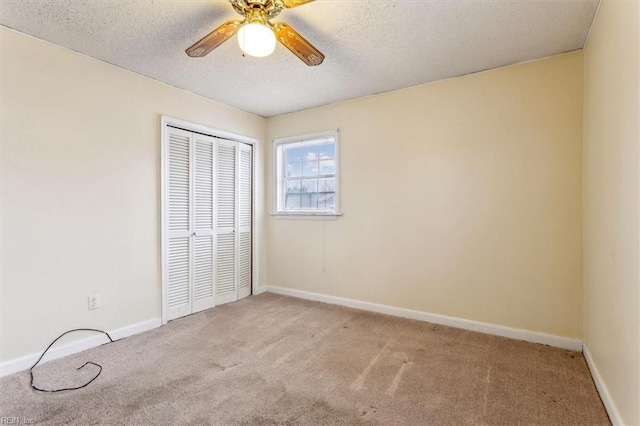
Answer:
[(293, 201), (293, 186), (293, 169)]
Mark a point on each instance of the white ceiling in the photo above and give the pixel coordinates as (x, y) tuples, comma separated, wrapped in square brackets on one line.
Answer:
[(371, 46)]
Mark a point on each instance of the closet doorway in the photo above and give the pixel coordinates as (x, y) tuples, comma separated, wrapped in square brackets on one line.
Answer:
[(207, 218)]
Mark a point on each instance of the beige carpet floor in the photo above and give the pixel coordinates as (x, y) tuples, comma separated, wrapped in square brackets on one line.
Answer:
[(271, 359)]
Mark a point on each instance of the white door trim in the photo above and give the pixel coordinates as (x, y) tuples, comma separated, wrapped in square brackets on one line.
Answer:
[(255, 231)]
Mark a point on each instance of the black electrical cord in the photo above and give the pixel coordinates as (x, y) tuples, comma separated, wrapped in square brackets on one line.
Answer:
[(82, 366)]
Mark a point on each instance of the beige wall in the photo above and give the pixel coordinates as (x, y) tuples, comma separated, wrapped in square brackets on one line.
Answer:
[(461, 198), (611, 204), (81, 189)]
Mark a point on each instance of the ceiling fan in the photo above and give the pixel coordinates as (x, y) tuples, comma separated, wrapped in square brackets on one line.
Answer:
[(257, 35)]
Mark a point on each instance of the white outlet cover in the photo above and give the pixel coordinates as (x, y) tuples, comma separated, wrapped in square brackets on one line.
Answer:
[(94, 301)]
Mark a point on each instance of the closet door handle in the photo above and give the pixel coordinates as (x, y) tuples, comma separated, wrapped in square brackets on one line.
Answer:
[(193, 234)]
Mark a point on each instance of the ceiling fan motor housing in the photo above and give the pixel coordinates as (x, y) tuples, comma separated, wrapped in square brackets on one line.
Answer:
[(271, 8)]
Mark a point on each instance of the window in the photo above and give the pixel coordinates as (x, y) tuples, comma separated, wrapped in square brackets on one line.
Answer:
[(307, 175)]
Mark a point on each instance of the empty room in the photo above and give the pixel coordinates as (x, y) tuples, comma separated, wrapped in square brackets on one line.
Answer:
[(299, 212)]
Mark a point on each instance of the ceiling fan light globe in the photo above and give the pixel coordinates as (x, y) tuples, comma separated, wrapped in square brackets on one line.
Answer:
[(256, 40)]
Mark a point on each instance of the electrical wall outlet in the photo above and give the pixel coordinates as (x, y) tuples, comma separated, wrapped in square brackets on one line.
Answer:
[(94, 301)]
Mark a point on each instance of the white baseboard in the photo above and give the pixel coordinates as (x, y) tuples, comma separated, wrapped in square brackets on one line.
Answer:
[(260, 290), (498, 330), (25, 362), (609, 405)]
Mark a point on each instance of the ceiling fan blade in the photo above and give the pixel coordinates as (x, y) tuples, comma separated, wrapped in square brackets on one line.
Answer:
[(297, 44), (289, 4), (214, 39)]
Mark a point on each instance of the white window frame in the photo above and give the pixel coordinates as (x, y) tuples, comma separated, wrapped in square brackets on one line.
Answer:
[(278, 168)]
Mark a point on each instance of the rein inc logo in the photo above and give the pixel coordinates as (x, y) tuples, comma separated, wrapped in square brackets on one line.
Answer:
[(15, 421)]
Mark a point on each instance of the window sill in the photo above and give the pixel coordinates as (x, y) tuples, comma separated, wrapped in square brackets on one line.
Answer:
[(306, 216)]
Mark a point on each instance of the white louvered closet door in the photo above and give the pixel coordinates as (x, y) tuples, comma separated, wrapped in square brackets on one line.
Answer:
[(203, 219), (178, 211), (244, 220), (207, 214), (226, 197)]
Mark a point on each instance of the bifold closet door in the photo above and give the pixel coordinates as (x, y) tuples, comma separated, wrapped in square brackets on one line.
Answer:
[(226, 197), (244, 220), (233, 247), (178, 211), (190, 245), (203, 235)]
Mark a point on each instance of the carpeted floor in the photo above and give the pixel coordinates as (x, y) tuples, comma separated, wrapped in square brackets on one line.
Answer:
[(271, 359)]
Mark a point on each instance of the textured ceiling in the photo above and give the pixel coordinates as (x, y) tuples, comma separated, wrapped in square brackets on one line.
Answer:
[(371, 46)]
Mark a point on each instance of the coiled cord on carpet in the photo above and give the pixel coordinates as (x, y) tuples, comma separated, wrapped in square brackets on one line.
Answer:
[(34, 387)]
